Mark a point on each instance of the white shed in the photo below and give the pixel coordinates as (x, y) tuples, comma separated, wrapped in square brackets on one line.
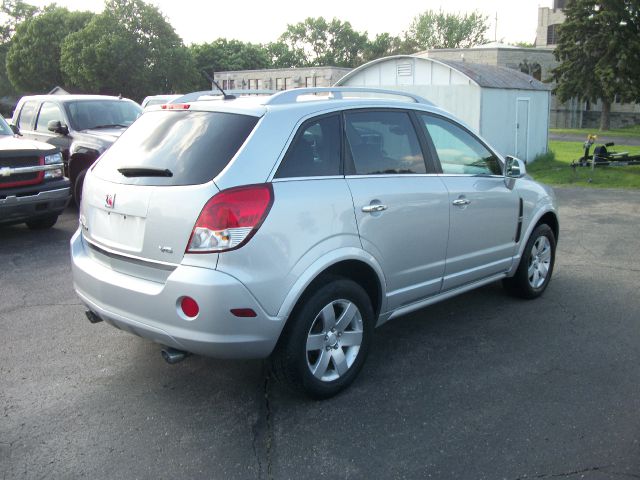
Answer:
[(508, 108)]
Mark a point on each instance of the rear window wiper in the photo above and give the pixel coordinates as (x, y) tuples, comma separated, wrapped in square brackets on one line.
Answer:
[(145, 172)]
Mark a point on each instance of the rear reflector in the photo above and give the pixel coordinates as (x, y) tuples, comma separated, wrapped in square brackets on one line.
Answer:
[(175, 106), (189, 307), (243, 312), (231, 218)]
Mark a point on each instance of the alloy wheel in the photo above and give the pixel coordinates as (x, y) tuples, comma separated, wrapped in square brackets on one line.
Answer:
[(334, 340), (539, 262)]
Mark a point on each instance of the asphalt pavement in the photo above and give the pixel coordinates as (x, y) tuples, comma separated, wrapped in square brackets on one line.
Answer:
[(482, 386)]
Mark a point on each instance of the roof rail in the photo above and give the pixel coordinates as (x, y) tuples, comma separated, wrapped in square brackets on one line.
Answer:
[(336, 93)]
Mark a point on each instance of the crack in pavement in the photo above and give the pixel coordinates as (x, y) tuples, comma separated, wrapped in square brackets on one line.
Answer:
[(567, 474), (263, 430), (578, 472)]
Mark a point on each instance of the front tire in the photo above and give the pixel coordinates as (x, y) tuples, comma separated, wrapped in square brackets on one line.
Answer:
[(77, 188), (536, 265), (42, 223), (326, 339)]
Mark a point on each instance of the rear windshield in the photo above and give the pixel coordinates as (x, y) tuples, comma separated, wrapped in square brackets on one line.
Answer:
[(189, 148)]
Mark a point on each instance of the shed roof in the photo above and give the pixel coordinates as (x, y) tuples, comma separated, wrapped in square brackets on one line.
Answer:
[(491, 76), (485, 76)]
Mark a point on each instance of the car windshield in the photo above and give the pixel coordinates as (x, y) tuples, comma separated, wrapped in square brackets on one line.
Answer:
[(4, 128), (85, 114)]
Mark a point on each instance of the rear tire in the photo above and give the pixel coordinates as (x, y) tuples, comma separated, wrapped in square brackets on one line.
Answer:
[(42, 223), (326, 339), (77, 188), (536, 265)]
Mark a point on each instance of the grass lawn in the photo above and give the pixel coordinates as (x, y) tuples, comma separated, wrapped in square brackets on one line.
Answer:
[(555, 168), (633, 131)]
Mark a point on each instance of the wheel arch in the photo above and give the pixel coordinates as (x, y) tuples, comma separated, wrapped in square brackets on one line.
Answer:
[(548, 217), (551, 219), (80, 158), (359, 267)]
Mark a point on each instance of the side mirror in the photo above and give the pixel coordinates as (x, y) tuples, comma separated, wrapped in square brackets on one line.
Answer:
[(514, 168), (14, 129), (56, 126)]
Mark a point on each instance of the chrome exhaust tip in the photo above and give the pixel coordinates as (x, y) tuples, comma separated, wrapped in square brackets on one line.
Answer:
[(173, 355), (92, 317)]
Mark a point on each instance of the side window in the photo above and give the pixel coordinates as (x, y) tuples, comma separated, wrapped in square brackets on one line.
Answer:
[(383, 142), (315, 152), (458, 150), (27, 114), (49, 111)]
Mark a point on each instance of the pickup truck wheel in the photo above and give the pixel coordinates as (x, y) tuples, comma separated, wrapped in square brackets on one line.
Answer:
[(77, 188), (536, 265), (42, 223), (326, 339)]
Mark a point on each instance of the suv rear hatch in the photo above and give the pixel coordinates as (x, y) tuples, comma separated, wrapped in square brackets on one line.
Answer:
[(143, 196)]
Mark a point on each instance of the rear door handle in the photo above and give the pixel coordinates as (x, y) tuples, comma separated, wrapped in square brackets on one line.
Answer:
[(460, 202), (373, 208)]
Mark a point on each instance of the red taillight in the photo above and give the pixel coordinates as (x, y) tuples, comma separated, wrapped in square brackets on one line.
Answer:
[(175, 106), (231, 218), (189, 307)]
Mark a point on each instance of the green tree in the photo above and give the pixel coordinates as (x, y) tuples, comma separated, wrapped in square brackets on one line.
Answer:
[(384, 45), (224, 55), (33, 59), (433, 29), (129, 49), (333, 43), (599, 51), (12, 12), (282, 56)]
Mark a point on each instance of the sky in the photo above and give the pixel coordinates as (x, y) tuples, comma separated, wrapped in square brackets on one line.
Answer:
[(200, 21)]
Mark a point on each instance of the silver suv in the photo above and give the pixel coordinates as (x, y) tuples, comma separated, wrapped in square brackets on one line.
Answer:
[(290, 226)]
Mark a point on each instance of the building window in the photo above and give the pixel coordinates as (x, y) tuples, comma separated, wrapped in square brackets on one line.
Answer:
[(534, 69), (224, 84), (559, 4), (232, 84), (552, 34)]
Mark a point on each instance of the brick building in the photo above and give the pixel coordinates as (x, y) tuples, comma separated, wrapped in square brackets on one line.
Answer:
[(280, 78)]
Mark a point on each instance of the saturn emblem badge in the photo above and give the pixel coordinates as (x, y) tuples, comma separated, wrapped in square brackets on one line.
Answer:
[(110, 201)]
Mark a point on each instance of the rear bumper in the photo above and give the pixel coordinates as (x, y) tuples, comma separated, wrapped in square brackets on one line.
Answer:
[(17, 208), (151, 310)]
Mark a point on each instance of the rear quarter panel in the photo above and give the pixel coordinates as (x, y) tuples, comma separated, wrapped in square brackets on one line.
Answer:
[(309, 220)]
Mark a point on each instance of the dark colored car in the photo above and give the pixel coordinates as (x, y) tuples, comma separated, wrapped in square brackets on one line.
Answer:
[(33, 188), (82, 126)]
